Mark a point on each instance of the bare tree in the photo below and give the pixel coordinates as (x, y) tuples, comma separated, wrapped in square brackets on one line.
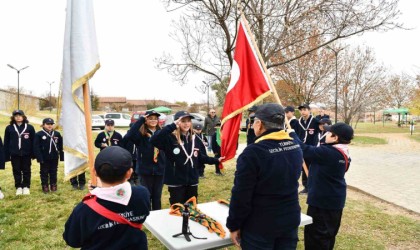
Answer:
[(206, 31), (360, 83)]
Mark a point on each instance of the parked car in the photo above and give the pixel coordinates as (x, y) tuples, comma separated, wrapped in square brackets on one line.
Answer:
[(98, 122), (198, 119), (120, 119), (137, 114)]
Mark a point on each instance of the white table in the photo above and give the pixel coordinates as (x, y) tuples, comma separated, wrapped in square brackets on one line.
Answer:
[(163, 226)]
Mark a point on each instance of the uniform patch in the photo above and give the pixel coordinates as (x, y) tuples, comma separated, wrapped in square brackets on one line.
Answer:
[(120, 192), (176, 151), (104, 139), (26, 136), (44, 137)]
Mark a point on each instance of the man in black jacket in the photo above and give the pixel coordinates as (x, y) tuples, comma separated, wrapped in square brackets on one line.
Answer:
[(264, 209)]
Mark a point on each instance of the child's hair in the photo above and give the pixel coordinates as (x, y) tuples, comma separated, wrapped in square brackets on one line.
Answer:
[(177, 134), (12, 119), (341, 140), (109, 175), (144, 127)]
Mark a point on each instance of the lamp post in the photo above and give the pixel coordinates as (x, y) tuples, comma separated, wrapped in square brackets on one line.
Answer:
[(207, 84), (336, 51), (18, 72), (50, 83)]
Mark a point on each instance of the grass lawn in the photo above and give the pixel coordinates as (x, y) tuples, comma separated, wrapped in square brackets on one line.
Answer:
[(367, 140), (37, 221), (378, 127)]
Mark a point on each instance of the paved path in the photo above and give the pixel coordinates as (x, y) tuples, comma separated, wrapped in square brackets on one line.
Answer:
[(390, 172)]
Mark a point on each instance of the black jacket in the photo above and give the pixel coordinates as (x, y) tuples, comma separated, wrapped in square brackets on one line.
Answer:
[(308, 130), (89, 230), (11, 140), (115, 140), (265, 193), (250, 134), (178, 170), (146, 151), (210, 124), (45, 142), (326, 184), (2, 160)]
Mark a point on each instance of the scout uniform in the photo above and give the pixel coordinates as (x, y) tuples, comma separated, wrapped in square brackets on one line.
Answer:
[(108, 138)]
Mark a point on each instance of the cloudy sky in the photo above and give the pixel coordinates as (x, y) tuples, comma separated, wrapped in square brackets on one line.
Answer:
[(131, 34)]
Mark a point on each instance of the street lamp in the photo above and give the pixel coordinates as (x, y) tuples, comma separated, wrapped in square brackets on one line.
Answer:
[(18, 72), (207, 84), (50, 83), (336, 51)]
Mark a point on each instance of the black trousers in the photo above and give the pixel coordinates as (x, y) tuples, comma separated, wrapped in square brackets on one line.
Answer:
[(154, 183), (49, 169), (21, 166), (78, 180), (182, 194), (200, 169), (321, 233), (304, 177)]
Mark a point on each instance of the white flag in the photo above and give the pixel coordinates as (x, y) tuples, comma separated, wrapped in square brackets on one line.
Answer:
[(80, 62)]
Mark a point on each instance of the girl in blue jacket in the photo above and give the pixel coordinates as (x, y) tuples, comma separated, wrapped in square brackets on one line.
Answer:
[(151, 160), (183, 156), (326, 185)]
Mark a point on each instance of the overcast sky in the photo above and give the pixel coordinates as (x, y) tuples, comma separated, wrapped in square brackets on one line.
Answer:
[(131, 33)]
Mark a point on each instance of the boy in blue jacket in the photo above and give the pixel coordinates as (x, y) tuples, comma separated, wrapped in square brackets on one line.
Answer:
[(48, 149), (88, 227), (326, 185)]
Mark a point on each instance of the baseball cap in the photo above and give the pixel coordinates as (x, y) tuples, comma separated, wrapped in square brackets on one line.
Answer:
[(151, 112), (305, 105), (325, 121), (180, 114), (48, 120), (198, 127), (117, 157), (109, 122), (270, 112), (342, 130), (289, 109), (18, 112)]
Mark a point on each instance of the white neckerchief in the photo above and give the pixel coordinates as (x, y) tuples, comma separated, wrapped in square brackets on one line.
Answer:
[(344, 148), (306, 129), (120, 193), (51, 140), (20, 134), (320, 137), (189, 157)]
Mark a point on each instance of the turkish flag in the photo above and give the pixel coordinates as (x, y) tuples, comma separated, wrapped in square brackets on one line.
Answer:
[(248, 85)]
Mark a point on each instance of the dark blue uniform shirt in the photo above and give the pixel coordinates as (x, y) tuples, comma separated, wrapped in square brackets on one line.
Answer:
[(43, 144), (11, 140)]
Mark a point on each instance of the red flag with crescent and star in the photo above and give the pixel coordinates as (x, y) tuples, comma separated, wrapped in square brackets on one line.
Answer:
[(248, 85)]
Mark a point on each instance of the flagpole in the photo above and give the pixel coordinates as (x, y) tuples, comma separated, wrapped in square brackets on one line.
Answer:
[(276, 96), (88, 122)]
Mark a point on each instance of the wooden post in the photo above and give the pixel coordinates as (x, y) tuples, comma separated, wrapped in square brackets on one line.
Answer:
[(88, 122)]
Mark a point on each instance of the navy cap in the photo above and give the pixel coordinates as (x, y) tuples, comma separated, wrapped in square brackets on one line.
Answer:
[(270, 112), (18, 112), (117, 157), (180, 114), (342, 130), (253, 108), (289, 109), (48, 120), (109, 122), (151, 112), (198, 127), (325, 121), (305, 105)]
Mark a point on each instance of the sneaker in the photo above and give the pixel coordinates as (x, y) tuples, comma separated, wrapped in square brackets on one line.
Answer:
[(202, 177), (75, 187), (304, 191), (220, 174), (82, 187), (19, 191), (53, 188), (26, 191), (1, 195), (45, 189)]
